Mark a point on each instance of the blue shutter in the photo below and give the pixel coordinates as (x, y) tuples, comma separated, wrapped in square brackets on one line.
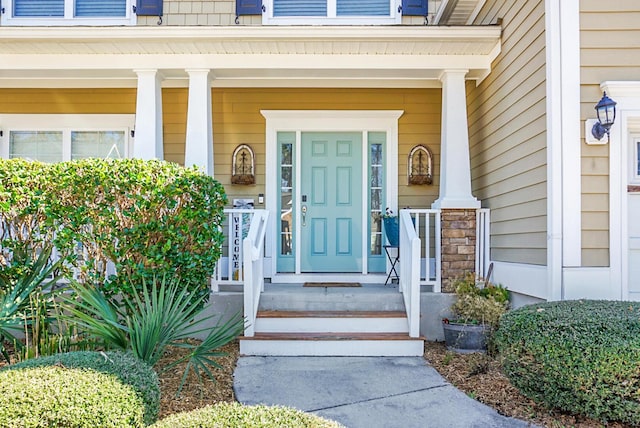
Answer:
[(26, 8), (248, 7), (414, 7), (149, 8), (299, 7), (363, 8), (87, 8)]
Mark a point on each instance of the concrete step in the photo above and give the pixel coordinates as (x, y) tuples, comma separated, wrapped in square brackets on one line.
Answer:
[(332, 344), (277, 297), (331, 322)]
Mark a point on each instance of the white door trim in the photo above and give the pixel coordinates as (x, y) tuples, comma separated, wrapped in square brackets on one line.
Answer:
[(627, 95), (324, 121)]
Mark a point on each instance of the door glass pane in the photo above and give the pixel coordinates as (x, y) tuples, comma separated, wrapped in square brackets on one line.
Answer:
[(375, 194), (97, 144), (43, 146), (638, 158), (286, 143)]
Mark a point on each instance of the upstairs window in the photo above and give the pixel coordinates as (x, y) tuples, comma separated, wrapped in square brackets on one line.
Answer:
[(68, 12), (332, 12)]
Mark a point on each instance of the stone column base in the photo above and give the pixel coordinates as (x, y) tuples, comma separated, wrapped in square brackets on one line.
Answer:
[(458, 245)]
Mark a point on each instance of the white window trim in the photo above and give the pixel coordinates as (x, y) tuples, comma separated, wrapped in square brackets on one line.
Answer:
[(8, 19), (65, 123), (331, 18), (325, 121)]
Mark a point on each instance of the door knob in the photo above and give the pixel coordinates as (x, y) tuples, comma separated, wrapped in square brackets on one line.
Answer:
[(304, 215)]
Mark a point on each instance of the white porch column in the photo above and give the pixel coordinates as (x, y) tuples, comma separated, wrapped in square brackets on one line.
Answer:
[(199, 144), (148, 143), (455, 167)]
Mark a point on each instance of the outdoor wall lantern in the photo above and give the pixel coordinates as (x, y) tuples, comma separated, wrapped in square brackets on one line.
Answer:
[(606, 110), (420, 166), (243, 165)]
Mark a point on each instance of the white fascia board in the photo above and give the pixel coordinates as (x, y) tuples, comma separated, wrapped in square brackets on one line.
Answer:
[(245, 61), (236, 33)]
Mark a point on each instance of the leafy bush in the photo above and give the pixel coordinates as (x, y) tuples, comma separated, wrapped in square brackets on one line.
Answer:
[(146, 217), (478, 303), (579, 356), (83, 389), (123, 367), (232, 415), (24, 227)]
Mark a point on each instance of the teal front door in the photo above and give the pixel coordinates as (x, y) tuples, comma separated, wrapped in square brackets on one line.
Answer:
[(331, 202)]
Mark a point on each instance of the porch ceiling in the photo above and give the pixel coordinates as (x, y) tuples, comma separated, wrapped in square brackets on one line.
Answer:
[(245, 56)]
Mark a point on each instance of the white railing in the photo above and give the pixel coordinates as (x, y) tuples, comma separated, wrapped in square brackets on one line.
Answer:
[(426, 223), (229, 269), (409, 283), (253, 262), (483, 222)]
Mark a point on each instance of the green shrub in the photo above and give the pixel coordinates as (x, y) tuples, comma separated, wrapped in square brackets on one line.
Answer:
[(141, 395), (232, 415), (24, 195), (147, 217), (580, 356), (56, 396)]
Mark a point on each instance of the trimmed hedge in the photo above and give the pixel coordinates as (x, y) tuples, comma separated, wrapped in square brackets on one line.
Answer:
[(147, 217), (96, 382), (232, 415), (579, 356)]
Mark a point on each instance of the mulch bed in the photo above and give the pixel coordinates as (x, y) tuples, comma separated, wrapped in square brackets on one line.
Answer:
[(480, 377), (195, 393)]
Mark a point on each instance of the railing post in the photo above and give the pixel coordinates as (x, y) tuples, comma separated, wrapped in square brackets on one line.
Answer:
[(249, 329)]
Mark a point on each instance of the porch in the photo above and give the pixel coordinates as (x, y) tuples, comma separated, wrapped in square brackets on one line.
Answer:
[(371, 318)]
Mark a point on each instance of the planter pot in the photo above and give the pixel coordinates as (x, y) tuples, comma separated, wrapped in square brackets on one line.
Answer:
[(392, 230), (466, 338)]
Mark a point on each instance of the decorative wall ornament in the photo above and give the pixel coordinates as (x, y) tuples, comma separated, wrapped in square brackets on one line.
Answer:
[(244, 162), (420, 165)]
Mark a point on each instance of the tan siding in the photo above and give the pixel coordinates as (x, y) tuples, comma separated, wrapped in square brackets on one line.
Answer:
[(237, 120), (68, 101), (507, 122), (610, 50), (174, 123)]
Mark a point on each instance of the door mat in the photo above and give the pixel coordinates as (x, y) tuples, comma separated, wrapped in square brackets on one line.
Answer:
[(332, 284)]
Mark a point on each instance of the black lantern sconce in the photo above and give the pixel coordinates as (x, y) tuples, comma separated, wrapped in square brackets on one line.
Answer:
[(606, 110), (244, 162), (420, 166)]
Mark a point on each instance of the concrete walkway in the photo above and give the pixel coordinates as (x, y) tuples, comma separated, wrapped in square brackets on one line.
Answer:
[(367, 392)]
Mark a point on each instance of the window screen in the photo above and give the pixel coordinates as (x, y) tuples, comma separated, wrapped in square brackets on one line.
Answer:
[(27, 8), (43, 146), (97, 144), (86, 8)]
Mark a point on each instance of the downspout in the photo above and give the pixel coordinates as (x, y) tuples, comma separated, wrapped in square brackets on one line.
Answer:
[(554, 150)]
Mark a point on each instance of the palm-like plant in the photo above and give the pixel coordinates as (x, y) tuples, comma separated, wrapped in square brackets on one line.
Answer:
[(161, 316), (16, 295)]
